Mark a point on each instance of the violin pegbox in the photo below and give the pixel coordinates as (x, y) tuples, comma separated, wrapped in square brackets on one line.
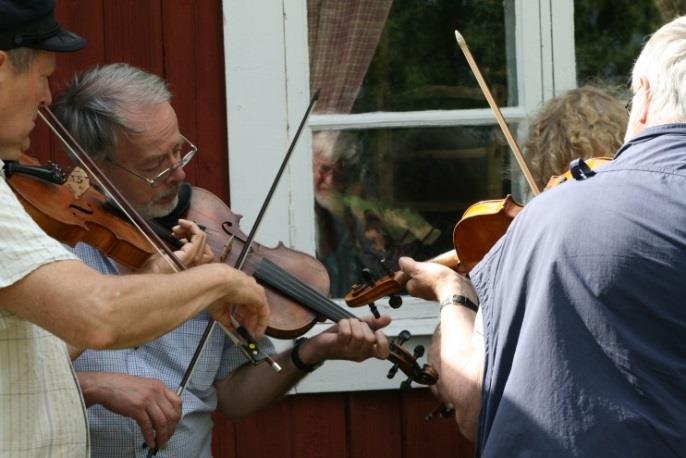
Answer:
[(426, 375)]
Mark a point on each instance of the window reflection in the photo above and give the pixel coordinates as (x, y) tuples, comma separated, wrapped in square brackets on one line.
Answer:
[(385, 193)]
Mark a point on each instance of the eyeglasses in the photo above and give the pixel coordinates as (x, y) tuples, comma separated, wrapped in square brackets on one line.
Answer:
[(187, 146)]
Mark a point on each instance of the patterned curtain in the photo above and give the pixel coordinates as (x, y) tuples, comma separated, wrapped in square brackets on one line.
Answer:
[(343, 35)]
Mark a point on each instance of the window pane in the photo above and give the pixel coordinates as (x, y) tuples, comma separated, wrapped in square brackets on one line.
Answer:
[(385, 193), (609, 35), (401, 55)]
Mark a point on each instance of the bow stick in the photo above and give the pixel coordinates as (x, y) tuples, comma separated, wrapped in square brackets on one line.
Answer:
[(498, 114)]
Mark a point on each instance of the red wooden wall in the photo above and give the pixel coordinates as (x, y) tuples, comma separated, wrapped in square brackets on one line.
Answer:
[(181, 40)]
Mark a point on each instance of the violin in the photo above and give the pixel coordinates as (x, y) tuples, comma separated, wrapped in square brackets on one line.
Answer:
[(295, 283), (70, 210)]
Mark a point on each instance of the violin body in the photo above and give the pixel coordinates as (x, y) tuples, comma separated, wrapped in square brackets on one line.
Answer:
[(481, 225), (72, 216), (288, 319)]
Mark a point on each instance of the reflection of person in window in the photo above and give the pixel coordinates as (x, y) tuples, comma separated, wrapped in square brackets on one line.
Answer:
[(335, 244), (582, 300), (355, 230)]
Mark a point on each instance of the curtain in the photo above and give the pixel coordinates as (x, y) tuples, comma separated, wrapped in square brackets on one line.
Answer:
[(343, 35)]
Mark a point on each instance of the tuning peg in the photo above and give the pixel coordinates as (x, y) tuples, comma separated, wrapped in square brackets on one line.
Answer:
[(395, 301), (418, 353), (368, 276), (406, 384), (392, 371), (374, 310), (403, 337)]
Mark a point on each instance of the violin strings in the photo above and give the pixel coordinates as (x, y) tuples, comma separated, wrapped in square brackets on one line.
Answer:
[(271, 274), (301, 292), (282, 281)]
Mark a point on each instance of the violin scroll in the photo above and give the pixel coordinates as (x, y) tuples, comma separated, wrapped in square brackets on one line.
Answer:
[(403, 360)]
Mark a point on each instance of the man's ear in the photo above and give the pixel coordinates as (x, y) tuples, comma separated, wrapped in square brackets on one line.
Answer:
[(645, 100), (5, 64)]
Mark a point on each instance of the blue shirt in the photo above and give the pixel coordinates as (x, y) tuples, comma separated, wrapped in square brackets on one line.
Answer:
[(165, 359), (584, 308)]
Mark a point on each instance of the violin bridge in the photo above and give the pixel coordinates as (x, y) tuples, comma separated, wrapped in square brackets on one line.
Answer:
[(227, 249)]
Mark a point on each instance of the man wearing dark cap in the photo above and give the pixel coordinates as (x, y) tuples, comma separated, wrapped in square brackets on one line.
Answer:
[(48, 297)]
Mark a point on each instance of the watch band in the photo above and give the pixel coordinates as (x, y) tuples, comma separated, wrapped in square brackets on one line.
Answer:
[(459, 299), (295, 357)]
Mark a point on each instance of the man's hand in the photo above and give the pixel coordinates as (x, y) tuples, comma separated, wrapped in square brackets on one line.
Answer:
[(247, 303), (349, 339), (433, 281), (194, 252), (155, 407)]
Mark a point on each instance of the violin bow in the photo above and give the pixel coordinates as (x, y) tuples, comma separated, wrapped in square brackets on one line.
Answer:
[(519, 157)]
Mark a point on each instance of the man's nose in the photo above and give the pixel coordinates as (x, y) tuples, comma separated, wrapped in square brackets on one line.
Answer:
[(178, 175), (46, 98)]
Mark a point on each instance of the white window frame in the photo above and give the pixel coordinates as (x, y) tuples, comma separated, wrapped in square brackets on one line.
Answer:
[(267, 81)]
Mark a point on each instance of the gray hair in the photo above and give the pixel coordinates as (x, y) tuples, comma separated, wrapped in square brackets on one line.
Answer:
[(21, 59), (663, 63), (96, 105)]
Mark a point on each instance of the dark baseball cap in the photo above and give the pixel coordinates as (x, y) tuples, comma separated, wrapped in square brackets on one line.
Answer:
[(32, 24)]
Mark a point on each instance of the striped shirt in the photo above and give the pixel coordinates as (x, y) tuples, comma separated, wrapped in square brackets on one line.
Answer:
[(165, 359), (41, 408)]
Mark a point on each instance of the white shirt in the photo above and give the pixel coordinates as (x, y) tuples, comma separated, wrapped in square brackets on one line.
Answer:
[(42, 412)]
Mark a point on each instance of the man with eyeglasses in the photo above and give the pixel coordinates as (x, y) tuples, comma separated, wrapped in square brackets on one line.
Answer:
[(122, 116)]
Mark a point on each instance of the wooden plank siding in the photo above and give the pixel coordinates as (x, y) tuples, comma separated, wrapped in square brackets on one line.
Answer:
[(181, 40)]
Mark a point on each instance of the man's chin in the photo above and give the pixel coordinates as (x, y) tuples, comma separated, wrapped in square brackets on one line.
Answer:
[(160, 209), (10, 153)]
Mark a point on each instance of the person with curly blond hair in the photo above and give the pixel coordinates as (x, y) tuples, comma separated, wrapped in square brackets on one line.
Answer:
[(581, 123)]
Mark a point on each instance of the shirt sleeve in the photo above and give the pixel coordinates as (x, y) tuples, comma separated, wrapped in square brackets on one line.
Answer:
[(24, 246)]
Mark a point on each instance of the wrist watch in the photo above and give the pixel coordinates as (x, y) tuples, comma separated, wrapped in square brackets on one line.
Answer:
[(297, 362), (459, 299)]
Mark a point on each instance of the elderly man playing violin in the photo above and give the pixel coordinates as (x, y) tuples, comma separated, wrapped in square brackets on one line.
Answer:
[(48, 297), (123, 118), (582, 350)]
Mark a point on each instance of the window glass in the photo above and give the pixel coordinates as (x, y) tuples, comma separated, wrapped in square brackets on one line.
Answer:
[(609, 35), (386, 193)]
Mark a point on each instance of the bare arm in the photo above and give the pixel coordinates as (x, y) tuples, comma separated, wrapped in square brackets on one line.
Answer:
[(155, 407), (90, 310), (251, 388), (461, 355)]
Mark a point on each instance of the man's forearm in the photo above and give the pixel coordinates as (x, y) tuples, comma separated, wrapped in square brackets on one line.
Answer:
[(461, 366), (251, 388), (90, 310)]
